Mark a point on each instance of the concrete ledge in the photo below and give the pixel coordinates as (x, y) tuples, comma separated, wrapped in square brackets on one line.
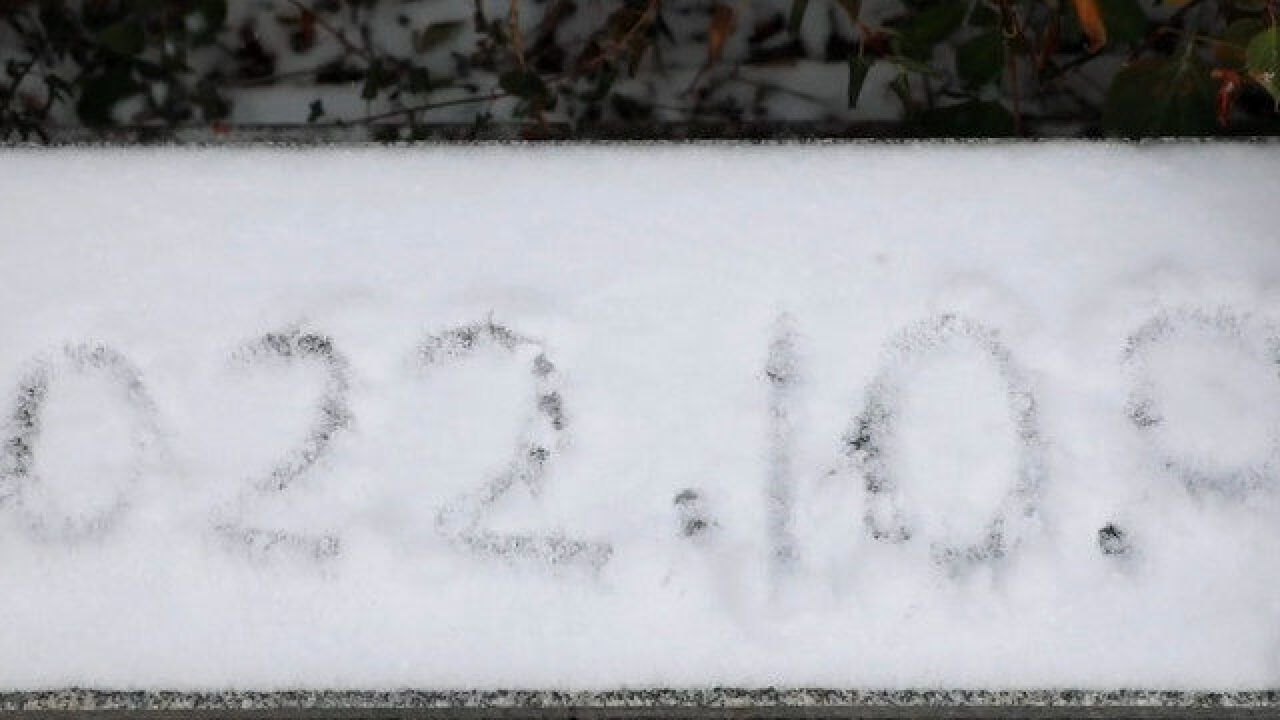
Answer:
[(652, 703)]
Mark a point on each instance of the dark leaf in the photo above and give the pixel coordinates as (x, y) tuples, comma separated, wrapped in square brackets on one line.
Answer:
[(981, 59), (971, 119), (796, 17), (1126, 21), (629, 109), (1248, 6), (901, 90), (252, 57), (212, 14), (524, 85), (983, 16), (1231, 44), (1157, 97), (929, 27), (912, 65), (767, 29), (100, 93), (123, 38), (435, 35), (419, 80), (858, 69), (373, 81), (213, 106), (304, 34)]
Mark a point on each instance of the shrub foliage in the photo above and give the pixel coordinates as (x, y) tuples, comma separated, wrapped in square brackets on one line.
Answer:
[(590, 67)]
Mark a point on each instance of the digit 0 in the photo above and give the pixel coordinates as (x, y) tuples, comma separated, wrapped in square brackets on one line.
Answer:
[(45, 514)]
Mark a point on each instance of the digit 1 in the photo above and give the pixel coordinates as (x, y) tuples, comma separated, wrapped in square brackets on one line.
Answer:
[(780, 369)]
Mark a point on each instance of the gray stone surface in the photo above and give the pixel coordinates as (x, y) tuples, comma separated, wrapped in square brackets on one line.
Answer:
[(662, 703)]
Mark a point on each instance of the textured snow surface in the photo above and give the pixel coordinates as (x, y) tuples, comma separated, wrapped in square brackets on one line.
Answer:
[(841, 416)]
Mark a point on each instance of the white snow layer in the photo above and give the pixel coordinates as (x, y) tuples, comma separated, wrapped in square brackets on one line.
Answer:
[(1002, 416)]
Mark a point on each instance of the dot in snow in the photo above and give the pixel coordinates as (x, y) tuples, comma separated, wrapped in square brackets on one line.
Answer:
[(1113, 540)]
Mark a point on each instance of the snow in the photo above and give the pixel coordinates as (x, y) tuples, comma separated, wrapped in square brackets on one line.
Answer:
[(592, 417)]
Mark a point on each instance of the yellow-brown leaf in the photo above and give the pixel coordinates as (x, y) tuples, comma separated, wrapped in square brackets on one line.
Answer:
[(1091, 23), (723, 22)]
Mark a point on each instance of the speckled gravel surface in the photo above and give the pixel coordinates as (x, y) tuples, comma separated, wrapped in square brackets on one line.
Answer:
[(77, 699)]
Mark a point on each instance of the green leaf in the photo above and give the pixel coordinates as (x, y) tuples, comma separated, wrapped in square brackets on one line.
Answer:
[(524, 85), (981, 59), (1262, 59), (1232, 42), (929, 27), (911, 65), (858, 69), (1161, 97), (435, 35), (796, 16), (1126, 21), (123, 38), (971, 119), (100, 93), (1248, 6)]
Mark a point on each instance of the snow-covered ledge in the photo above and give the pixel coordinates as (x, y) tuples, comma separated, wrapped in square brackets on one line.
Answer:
[(577, 419)]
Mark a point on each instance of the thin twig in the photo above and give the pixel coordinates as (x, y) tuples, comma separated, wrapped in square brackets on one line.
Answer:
[(646, 18), (780, 89), (513, 30), (411, 110), (517, 49), (1009, 18)]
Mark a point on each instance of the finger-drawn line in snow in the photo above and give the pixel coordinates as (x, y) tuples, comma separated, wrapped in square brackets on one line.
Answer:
[(17, 460), (543, 435), (332, 416), (864, 445), (1144, 410), (781, 371), (259, 543)]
